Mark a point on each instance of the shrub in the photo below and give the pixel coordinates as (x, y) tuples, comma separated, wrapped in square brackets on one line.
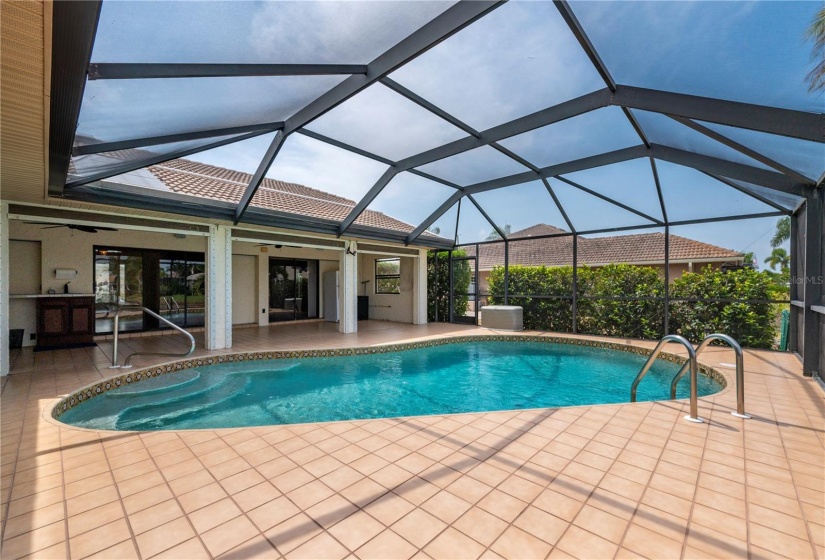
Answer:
[(752, 324), (554, 314), (438, 293)]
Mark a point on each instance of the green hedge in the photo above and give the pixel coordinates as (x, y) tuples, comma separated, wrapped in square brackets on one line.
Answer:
[(753, 325), (438, 292)]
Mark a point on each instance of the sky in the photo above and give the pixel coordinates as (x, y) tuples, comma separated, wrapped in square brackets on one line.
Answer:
[(516, 60)]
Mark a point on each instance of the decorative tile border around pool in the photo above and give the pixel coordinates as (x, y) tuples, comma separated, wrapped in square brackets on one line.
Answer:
[(95, 389)]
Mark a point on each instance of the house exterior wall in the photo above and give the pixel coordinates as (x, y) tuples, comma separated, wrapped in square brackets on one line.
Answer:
[(388, 307)]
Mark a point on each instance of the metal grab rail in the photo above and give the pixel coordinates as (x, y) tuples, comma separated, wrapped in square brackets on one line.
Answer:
[(740, 371), (694, 406), (126, 363)]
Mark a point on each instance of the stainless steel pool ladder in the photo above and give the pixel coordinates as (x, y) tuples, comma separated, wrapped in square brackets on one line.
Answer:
[(740, 371), (691, 364), (126, 363)]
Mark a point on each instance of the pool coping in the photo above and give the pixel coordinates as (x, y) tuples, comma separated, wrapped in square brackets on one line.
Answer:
[(93, 390)]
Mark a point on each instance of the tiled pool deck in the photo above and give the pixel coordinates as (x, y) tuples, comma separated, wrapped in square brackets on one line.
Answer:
[(611, 481)]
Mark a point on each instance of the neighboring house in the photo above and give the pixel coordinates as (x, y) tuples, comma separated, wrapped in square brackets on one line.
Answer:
[(642, 249)]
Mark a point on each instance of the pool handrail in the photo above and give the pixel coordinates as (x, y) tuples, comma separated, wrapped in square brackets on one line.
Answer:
[(126, 363), (740, 371), (691, 363)]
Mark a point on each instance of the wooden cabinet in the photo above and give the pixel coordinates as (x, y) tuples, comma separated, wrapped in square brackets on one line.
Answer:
[(65, 321)]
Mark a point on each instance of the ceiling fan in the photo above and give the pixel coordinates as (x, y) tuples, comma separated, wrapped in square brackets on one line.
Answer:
[(87, 229)]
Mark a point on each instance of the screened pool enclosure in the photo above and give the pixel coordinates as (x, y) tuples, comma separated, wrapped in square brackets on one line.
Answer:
[(471, 122)]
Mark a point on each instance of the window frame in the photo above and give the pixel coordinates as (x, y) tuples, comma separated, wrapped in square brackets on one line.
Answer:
[(387, 276)]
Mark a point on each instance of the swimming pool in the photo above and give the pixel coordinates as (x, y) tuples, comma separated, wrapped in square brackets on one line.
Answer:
[(468, 376)]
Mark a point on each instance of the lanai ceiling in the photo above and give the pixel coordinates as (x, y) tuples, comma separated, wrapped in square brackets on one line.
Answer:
[(596, 116)]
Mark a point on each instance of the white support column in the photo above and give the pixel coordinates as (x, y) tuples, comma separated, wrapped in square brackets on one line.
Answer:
[(219, 288), (4, 288), (263, 290), (420, 289), (348, 289)]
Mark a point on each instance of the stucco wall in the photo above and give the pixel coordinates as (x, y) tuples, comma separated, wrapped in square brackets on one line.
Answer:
[(388, 307)]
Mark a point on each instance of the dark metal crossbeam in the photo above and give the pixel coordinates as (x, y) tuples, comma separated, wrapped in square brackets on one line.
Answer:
[(258, 177), (170, 138), (72, 40), (747, 192), (575, 27), (734, 170), (558, 205), (448, 23), (784, 122), (609, 200), (437, 213), (551, 171), (343, 146), (367, 199), (607, 158), (131, 166), (742, 149), (578, 31), (487, 217), (141, 71), (545, 117)]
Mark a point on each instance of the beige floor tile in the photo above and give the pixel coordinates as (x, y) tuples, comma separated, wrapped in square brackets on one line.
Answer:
[(164, 537), (94, 518), (389, 508), (228, 534), (125, 550), (541, 524), (502, 505), (331, 511), (256, 496), (257, 547), (601, 523), (33, 520), (363, 492), (202, 497), (515, 543), (356, 530), (481, 526), (155, 516), (419, 527), (650, 544), (191, 549), (310, 494), (582, 544), (99, 539), (273, 513), (341, 478), (454, 544), (33, 541), (214, 515), (292, 533), (321, 547), (386, 546)]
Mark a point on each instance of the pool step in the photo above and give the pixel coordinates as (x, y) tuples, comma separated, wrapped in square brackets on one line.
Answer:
[(159, 415), (156, 385)]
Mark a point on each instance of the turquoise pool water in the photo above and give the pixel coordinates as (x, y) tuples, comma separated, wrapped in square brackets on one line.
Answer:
[(464, 377)]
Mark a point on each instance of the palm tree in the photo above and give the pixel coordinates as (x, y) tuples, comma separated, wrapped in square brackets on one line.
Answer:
[(783, 232), (816, 32), (779, 257), (494, 234)]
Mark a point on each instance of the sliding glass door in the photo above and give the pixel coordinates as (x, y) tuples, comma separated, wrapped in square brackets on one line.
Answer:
[(118, 283), (293, 289), (169, 283)]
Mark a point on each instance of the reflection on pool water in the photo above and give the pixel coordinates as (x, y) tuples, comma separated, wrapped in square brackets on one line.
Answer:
[(451, 378)]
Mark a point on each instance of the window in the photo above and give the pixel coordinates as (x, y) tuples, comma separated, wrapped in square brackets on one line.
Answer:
[(388, 276)]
